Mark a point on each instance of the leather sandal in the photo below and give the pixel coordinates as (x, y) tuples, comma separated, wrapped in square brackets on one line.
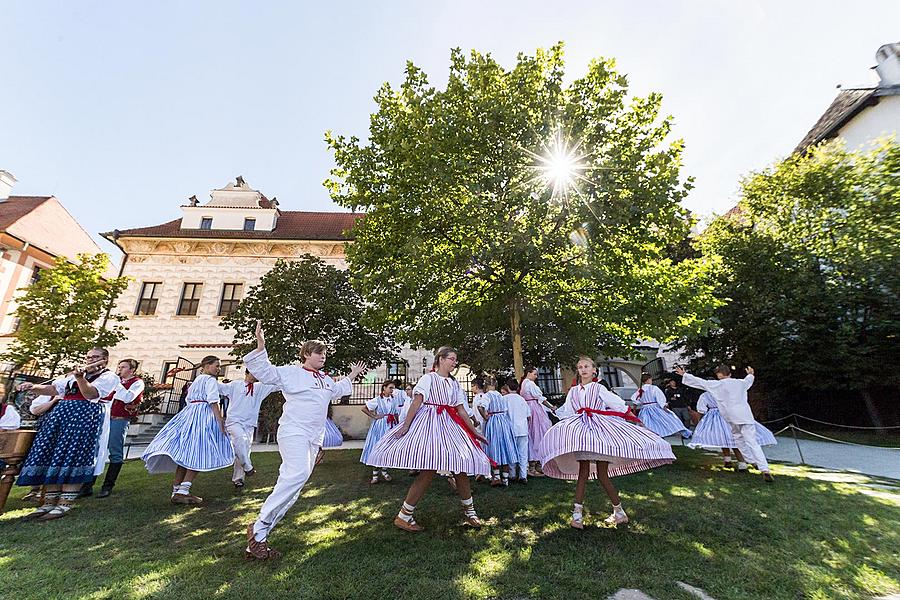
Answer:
[(410, 526)]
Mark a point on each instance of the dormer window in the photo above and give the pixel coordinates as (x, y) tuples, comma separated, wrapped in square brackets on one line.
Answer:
[(249, 224), (206, 223)]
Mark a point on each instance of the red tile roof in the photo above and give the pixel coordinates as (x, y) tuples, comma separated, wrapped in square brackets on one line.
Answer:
[(291, 225), (15, 207)]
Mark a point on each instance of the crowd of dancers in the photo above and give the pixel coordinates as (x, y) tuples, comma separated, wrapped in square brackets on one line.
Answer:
[(428, 429)]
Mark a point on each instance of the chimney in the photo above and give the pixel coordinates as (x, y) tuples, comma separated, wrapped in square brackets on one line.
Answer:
[(888, 67), (7, 181)]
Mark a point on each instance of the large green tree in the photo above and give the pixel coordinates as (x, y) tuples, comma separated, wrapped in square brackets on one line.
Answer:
[(304, 299), (61, 315), (511, 203), (812, 275)]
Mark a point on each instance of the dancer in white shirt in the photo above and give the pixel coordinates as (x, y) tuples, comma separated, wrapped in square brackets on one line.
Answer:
[(301, 429), (244, 399), (731, 396)]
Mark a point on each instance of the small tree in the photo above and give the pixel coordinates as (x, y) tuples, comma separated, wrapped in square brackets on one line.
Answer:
[(61, 314), (307, 299)]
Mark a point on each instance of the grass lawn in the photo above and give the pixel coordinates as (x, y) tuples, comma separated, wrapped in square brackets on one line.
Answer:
[(806, 536)]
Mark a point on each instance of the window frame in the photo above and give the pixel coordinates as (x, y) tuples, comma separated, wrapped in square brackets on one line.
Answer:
[(206, 223), (250, 221), (195, 298), (142, 298), (239, 287)]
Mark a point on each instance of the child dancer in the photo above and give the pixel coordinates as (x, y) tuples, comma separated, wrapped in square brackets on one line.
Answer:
[(501, 446), (599, 438), (539, 423), (520, 415), (195, 439), (384, 409), (731, 397), (653, 412), (333, 436), (437, 435), (63, 455), (301, 430), (244, 399)]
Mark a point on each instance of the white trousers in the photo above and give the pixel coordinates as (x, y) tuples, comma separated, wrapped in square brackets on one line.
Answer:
[(298, 457), (744, 435), (522, 456), (242, 441)]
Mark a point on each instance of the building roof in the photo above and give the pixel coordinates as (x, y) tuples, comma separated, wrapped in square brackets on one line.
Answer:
[(15, 207), (847, 105), (291, 225)]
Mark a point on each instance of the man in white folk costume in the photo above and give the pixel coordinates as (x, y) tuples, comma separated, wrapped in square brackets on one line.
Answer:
[(301, 429), (244, 399), (731, 396)]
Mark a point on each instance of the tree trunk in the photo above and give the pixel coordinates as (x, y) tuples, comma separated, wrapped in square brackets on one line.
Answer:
[(873, 412), (516, 328)]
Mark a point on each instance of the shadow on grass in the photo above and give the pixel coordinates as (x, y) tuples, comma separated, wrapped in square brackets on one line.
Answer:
[(722, 531)]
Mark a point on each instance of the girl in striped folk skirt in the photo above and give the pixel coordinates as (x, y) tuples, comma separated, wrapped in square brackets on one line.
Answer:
[(713, 432), (437, 435), (384, 409), (195, 439), (599, 438), (501, 447), (539, 422)]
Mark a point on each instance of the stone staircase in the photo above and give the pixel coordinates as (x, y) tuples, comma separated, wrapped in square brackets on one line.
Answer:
[(142, 433)]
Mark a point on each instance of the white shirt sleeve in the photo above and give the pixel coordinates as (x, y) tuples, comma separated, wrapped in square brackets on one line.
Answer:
[(60, 385), (11, 419), (748, 381), (372, 404), (128, 395), (660, 397), (567, 409), (40, 401), (460, 395), (612, 401), (535, 390), (211, 390), (695, 382), (226, 390), (423, 386), (105, 384), (257, 362), (342, 388)]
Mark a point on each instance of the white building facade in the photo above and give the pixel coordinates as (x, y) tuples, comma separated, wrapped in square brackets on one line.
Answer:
[(187, 274)]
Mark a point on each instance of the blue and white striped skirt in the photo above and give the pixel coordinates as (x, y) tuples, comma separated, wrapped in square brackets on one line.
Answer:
[(64, 450), (713, 432), (333, 436), (377, 430), (501, 447), (193, 440), (662, 422), (434, 442), (627, 447)]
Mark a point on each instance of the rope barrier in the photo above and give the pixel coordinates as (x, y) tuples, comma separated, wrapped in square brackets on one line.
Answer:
[(795, 428), (795, 415)]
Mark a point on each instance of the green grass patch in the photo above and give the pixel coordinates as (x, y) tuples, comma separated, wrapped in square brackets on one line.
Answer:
[(813, 534)]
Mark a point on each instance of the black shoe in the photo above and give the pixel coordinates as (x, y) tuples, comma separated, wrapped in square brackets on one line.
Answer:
[(523, 481), (112, 473), (87, 490), (104, 492)]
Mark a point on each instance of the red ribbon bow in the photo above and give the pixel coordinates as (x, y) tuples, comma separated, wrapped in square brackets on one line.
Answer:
[(250, 389), (392, 420), (456, 418)]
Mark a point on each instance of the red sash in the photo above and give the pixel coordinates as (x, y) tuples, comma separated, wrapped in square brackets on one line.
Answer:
[(627, 415), (392, 420)]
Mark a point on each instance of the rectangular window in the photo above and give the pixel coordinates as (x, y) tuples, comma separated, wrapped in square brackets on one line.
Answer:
[(35, 275), (249, 224), (206, 223), (149, 298), (168, 366), (231, 297), (396, 370), (190, 299), (611, 375)]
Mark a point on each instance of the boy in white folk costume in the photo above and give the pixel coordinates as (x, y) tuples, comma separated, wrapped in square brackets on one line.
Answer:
[(244, 399), (520, 415), (301, 429), (125, 404), (731, 396)]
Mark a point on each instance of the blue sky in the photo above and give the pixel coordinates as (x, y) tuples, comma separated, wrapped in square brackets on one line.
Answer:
[(124, 109)]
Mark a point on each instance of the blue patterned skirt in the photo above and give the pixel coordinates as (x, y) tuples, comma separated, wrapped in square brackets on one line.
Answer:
[(193, 440), (377, 430), (333, 436), (501, 446), (662, 422), (65, 448)]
